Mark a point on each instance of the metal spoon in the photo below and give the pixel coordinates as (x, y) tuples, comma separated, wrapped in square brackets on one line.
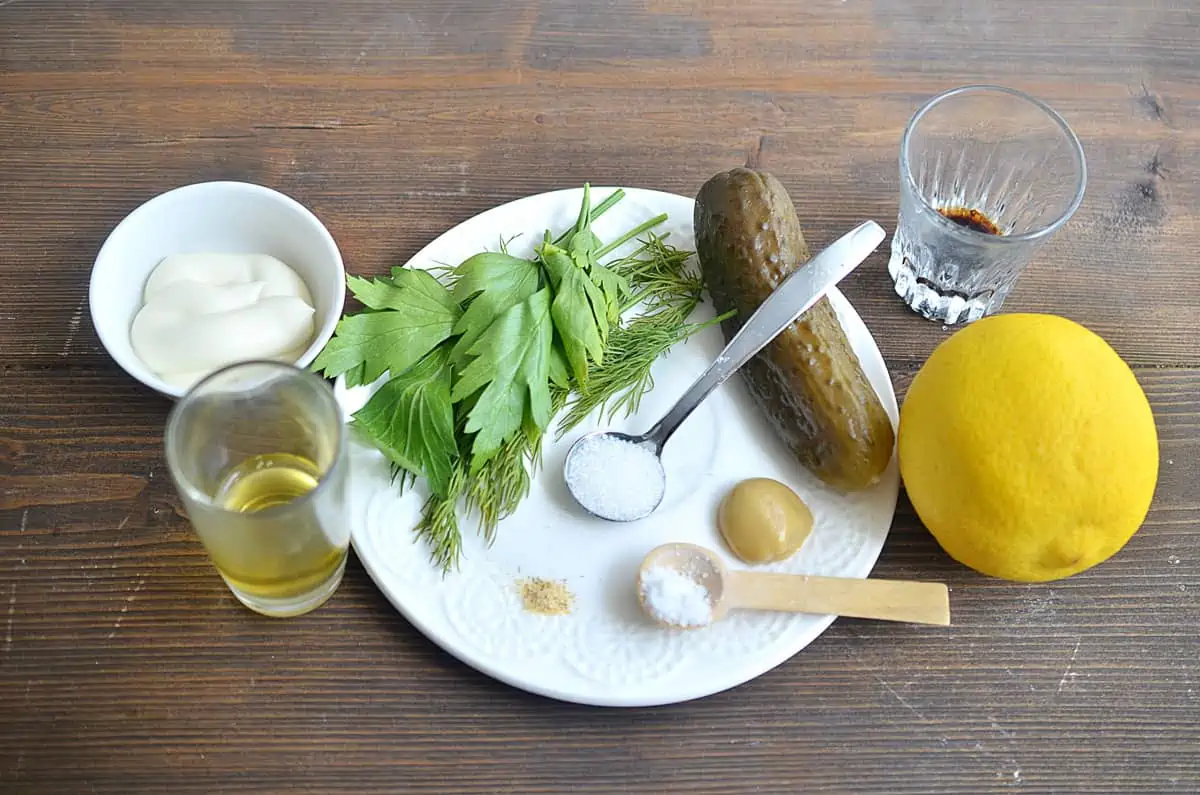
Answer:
[(794, 297), (887, 600)]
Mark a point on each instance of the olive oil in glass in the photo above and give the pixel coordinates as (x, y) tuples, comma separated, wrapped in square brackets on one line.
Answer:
[(256, 451), (282, 554), (264, 481)]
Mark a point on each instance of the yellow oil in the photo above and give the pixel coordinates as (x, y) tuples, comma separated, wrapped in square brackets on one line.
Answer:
[(265, 481), (275, 548)]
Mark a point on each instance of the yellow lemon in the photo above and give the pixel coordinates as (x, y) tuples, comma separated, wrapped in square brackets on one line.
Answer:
[(1028, 448)]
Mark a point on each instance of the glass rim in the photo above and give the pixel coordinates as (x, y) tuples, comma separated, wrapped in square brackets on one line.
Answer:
[(974, 235), (196, 494)]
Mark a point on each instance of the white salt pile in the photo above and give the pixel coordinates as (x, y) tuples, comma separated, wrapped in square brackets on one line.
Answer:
[(674, 598), (615, 479)]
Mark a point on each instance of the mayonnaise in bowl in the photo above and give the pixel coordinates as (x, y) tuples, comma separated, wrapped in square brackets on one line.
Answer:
[(201, 312)]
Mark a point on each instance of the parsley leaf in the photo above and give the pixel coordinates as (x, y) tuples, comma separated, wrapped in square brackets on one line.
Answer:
[(577, 310), (559, 375), (615, 288), (512, 366), (411, 420), (579, 239), (492, 283), (387, 341), (357, 375), (426, 283)]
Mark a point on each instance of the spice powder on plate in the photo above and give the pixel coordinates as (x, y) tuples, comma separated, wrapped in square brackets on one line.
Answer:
[(546, 597)]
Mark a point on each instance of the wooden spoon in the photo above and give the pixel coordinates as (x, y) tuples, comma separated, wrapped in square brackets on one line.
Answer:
[(886, 600)]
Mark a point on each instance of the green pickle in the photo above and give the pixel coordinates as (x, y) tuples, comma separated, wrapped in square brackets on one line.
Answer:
[(807, 381)]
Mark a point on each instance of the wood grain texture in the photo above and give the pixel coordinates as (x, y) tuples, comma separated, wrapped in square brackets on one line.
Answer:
[(125, 665)]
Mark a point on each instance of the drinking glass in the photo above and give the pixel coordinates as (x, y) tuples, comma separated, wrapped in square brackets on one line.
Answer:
[(987, 175), (257, 453)]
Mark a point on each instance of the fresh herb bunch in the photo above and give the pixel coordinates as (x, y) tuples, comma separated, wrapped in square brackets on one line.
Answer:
[(481, 361)]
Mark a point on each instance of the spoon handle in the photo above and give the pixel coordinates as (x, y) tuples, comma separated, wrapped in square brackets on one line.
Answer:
[(795, 296), (888, 600)]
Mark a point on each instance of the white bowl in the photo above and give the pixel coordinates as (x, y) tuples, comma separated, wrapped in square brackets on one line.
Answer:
[(231, 217)]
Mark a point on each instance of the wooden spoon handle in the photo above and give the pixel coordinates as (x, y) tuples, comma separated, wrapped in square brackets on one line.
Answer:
[(888, 600)]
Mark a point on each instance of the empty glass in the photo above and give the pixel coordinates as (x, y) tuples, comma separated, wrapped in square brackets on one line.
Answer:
[(987, 175)]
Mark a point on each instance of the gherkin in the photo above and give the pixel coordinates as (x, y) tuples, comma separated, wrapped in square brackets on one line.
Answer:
[(807, 381)]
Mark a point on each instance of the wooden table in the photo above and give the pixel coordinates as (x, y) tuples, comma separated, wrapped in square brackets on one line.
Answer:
[(127, 667)]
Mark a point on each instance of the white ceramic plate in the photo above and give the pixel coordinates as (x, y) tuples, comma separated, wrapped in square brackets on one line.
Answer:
[(605, 652)]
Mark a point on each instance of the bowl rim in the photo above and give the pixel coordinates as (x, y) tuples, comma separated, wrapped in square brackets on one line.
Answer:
[(134, 366)]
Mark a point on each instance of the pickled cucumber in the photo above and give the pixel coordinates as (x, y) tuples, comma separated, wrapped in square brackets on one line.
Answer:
[(807, 381)]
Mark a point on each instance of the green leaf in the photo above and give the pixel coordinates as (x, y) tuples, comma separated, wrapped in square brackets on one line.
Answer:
[(511, 366), (493, 283), (559, 375), (615, 288), (584, 220), (493, 272), (581, 242), (579, 311), (668, 291), (600, 210), (381, 294), (426, 283), (386, 341), (411, 420), (583, 246), (357, 375)]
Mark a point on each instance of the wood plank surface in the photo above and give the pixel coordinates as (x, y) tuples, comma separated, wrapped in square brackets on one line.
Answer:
[(126, 666)]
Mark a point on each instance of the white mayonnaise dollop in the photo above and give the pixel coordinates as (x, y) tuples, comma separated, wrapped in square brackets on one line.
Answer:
[(204, 311)]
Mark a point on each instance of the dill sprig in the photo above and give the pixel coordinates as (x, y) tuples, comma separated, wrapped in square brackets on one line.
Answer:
[(660, 278), (438, 525), (618, 385)]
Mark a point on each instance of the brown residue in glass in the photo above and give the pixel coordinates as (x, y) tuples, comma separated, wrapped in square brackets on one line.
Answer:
[(971, 219)]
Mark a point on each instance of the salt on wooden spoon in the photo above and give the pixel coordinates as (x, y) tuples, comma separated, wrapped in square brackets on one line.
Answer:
[(685, 586)]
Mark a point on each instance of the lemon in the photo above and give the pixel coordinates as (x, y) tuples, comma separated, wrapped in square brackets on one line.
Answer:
[(1028, 448)]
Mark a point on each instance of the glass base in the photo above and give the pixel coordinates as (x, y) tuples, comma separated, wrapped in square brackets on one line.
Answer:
[(931, 303), (295, 605)]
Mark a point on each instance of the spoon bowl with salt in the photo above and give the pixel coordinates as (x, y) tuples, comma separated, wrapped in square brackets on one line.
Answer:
[(616, 476), (681, 586), (685, 586), (619, 476)]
